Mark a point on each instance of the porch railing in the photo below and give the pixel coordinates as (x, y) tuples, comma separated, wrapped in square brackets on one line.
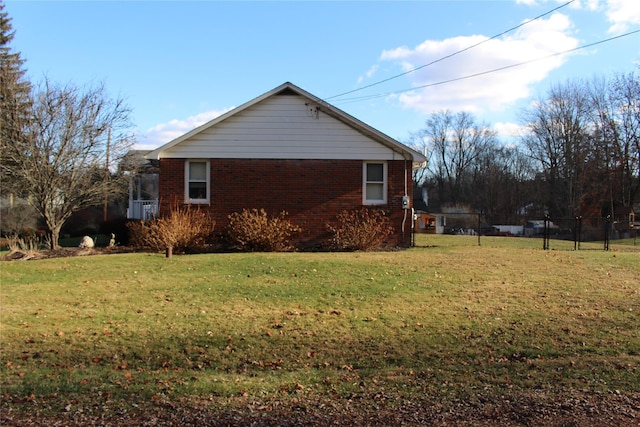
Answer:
[(142, 209)]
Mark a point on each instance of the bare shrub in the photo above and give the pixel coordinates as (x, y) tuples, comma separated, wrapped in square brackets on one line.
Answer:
[(22, 247), (254, 231), (360, 230), (184, 229), (137, 232), (22, 219)]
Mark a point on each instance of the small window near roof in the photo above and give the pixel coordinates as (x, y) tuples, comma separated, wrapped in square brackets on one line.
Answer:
[(197, 181), (374, 183)]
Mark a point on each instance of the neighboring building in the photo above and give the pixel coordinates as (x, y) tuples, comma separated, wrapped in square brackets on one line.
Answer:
[(429, 223), (510, 230), (288, 150), (427, 217), (536, 228), (625, 222)]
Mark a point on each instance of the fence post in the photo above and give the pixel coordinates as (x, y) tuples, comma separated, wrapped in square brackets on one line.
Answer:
[(545, 234), (579, 228), (606, 232), (479, 228)]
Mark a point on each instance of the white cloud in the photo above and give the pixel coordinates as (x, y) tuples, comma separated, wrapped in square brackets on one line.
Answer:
[(592, 4), (622, 14), (369, 73), (508, 130), (492, 91), (165, 132)]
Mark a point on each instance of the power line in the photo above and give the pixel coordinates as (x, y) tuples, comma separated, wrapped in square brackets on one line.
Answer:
[(454, 53), (381, 95)]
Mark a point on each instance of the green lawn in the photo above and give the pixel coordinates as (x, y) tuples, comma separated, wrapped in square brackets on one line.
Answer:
[(447, 319)]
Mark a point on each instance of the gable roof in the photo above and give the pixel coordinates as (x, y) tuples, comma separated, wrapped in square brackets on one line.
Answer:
[(319, 106)]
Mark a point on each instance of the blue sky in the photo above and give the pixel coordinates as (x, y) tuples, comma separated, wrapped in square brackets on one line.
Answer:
[(179, 64)]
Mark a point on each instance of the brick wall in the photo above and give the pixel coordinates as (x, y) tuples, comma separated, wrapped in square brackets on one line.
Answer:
[(313, 192)]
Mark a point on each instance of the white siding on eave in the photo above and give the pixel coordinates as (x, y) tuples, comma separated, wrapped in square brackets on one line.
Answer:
[(281, 127)]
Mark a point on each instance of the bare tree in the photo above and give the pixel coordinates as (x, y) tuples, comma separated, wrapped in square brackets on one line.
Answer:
[(62, 164), (503, 174), (455, 144), (619, 118), (559, 140), (585, 137)]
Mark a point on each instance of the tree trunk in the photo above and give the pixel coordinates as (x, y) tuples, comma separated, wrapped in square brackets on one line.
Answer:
[(55, 237)]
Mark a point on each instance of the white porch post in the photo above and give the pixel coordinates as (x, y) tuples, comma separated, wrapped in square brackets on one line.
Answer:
[(129, 209)]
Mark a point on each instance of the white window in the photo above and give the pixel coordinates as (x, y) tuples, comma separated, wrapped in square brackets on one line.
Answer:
[(374, 177), (197, 186)]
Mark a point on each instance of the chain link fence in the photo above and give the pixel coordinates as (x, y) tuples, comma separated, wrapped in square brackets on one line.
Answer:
[(554, 233)]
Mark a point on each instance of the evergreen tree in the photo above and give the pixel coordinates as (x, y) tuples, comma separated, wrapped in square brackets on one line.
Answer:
[(14, 100)]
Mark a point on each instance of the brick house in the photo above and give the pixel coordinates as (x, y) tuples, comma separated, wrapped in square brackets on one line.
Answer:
[(288, 150)]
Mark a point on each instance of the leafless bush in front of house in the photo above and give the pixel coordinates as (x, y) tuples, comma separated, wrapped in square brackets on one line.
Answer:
[(360, 230), (255, 231), (184, 229), (22, 247)]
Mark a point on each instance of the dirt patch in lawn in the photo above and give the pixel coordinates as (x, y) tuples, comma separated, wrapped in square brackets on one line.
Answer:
[(357, 410)]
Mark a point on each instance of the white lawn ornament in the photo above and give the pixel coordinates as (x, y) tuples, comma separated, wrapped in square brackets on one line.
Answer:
[(86, 242)]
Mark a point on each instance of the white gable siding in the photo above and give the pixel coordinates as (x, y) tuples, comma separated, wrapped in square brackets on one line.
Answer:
[(281, 127)]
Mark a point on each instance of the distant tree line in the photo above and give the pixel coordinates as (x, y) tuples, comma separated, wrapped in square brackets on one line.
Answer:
[(578, 154)]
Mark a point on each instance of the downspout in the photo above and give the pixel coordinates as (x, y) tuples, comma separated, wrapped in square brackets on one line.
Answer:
[(404, 218)]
